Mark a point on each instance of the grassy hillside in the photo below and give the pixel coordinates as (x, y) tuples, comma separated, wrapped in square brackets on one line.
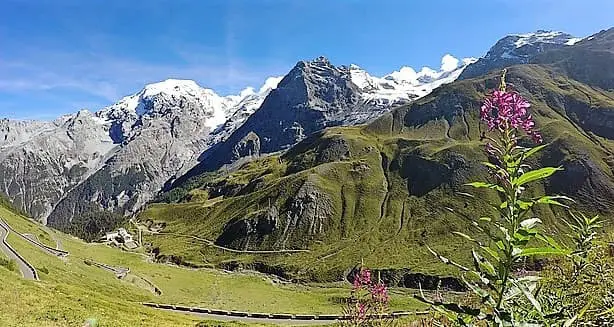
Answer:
[(71, 291), (378, 193)]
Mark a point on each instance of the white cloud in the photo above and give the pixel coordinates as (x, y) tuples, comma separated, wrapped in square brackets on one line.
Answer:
[(449, 63), (406, 74), (270, 84)]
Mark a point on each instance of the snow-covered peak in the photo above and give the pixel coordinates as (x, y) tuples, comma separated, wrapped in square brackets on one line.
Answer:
[(249, 92), (449, 65), (242, 106), (518, 49), (407, 84), (172, 86), (361, 78), (137, 105), (405, 74), (542, 36), (270, 84)]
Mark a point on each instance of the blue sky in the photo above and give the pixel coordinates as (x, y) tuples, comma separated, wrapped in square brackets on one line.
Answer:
[(58, 56)]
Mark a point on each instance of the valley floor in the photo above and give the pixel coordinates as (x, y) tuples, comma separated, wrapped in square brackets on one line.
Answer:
[(71, 289)]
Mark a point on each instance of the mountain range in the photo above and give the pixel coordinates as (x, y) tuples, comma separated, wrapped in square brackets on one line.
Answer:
[(379, 192), (118, 158), (84, 172)]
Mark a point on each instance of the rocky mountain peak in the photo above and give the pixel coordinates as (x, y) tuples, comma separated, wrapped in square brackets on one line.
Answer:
[(517, 49)]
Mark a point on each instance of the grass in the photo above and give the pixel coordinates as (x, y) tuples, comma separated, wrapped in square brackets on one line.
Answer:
[(71, 291)]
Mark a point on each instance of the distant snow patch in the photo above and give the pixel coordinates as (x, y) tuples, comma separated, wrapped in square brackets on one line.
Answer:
[(573, 40)]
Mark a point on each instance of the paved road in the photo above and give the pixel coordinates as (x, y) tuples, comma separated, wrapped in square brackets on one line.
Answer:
[(118, 271), (34, 240), (26, 269), (54, 236), (289, 322)]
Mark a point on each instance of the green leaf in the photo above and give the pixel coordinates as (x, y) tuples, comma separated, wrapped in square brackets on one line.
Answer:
[(486, 297), (524, 205), (483, 264), (465, 236), (552, 199), (530, 223), (494, 168), (529, 295), (528, 252), (492, 253), (486, 185), (535, 175), (549, 240), (534, 150)]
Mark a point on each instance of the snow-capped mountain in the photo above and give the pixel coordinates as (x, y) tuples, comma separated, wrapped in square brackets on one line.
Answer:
[(518, 49), (243, 106), (407, 84), (149, 136), (317, 94), (118, 158)]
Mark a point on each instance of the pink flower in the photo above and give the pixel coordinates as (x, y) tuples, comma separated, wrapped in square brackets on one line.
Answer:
[(379, 293), (363, 278), (504, 110), (362, 311)]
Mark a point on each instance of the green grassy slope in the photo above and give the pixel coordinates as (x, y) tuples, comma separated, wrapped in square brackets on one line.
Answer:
[(71, 291), (380, 192)]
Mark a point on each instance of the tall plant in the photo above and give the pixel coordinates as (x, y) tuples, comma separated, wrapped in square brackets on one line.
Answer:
[(512, 234), (368, 304), (583, 233)]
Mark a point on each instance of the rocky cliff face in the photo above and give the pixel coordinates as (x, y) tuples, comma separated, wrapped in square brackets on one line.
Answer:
[(40, 162), (588, 60)]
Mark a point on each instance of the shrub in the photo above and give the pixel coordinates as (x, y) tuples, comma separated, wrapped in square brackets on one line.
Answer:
[(9, 264)]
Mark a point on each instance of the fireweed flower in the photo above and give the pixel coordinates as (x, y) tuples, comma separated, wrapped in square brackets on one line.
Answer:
[(504, 110), (362, 311), (363, 278), (379, 293)]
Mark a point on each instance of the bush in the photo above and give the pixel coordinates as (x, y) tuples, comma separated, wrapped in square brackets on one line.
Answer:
[(9, 264)]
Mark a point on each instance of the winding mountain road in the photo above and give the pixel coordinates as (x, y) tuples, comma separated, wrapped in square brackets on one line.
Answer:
[(120, 272), (27, 270), (35, 241)]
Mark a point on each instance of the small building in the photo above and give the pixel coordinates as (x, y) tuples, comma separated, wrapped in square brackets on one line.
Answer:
[(127, 237), (119, 237)]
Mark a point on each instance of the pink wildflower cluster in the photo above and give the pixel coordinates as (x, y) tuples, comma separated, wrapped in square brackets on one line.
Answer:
[(369, 298), (378, 291), (505, 110), (362, 279)]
